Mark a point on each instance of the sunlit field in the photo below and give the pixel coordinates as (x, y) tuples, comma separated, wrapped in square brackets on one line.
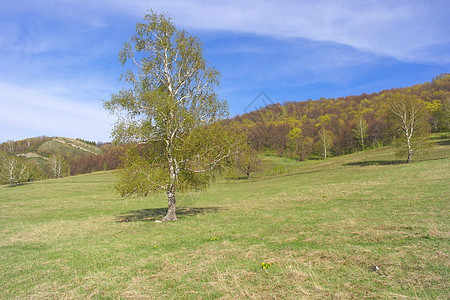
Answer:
[(355, 226)]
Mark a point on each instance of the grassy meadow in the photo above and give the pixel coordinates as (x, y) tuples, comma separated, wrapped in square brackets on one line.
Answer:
[(319, 227)]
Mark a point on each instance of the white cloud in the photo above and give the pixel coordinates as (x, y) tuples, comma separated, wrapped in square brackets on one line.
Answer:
[(408, 30), (405, 30), (34, 112)]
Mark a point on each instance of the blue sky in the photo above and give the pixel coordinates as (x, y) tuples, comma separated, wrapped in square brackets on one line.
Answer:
[(58, 59)]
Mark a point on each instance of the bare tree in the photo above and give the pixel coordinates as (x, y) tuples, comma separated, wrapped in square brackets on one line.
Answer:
[(325, 141), (248, 161), (14, 171), (56, 165), (361, 130), (409, 116)]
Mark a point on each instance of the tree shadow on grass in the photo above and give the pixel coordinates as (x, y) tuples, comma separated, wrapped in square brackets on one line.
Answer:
[(376, 163), (154, 214), (444, 142)]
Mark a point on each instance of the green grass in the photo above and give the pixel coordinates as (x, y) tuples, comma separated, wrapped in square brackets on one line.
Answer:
[(321, 225)]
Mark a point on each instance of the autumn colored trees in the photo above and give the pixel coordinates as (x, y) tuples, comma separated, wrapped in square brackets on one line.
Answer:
[(327, 127)]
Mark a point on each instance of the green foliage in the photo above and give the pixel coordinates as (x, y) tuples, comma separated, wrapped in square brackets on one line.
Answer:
[(139, 174), (409, 116), (355, 121), (300, 144), (171, 109), (325, 141), (361, 130)]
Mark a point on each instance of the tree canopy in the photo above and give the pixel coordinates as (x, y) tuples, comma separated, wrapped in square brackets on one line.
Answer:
[(353, 122), (170, 108)]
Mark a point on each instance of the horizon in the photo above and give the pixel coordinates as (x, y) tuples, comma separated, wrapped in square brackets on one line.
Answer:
[(260, 101), (59, 59)]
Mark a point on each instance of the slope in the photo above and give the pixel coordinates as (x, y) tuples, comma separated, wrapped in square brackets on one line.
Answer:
[(320, 227), (67, 147)]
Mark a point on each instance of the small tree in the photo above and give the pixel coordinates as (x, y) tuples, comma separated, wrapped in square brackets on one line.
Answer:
[(171, 110), (248, 161), (14, 171), (361, 130), (57, 165), (409, 116), (301, 145), (325, 141)]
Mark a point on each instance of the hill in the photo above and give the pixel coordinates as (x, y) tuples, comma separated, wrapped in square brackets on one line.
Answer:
[(47, 157), (362, 225), (352, 123), (68, 147), (46, 146)]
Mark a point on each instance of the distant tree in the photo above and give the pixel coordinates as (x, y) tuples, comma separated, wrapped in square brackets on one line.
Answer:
[(9, 146), (325, 141), (439, 114), (409, 116), (301, 145), (325, 136), (57, 165), (248, 161), (361, 130), (171, 109), (14, 171)]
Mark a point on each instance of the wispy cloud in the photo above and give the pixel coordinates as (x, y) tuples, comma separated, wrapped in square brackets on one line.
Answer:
[(405, 30), (34, 112)]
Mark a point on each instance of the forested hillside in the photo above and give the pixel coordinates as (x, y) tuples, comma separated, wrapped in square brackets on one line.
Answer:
[(343, 125), (305, 129), (53, 157)]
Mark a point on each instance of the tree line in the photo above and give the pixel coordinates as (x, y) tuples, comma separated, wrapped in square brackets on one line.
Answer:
[(324, 127), (18, 162)]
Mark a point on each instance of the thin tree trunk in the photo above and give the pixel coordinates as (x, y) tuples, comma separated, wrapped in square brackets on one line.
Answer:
[(410, 151), (409, 160), (248, 175), (361, 132), (171, 216)]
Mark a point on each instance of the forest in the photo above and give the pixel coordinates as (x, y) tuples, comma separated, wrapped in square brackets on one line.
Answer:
[(301, 130), (324, 127)]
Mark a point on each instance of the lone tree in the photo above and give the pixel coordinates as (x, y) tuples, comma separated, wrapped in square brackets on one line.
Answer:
[(409, 115), (248, 161), (170, 110)]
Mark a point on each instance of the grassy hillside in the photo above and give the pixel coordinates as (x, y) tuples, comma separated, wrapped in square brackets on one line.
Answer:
[(67, 146), (321, 225)]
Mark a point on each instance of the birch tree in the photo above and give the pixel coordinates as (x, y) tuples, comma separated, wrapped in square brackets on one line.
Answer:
[(170, 109), (56, 164), (361, 130), (325, 141), (14, 171), (409, 115)]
